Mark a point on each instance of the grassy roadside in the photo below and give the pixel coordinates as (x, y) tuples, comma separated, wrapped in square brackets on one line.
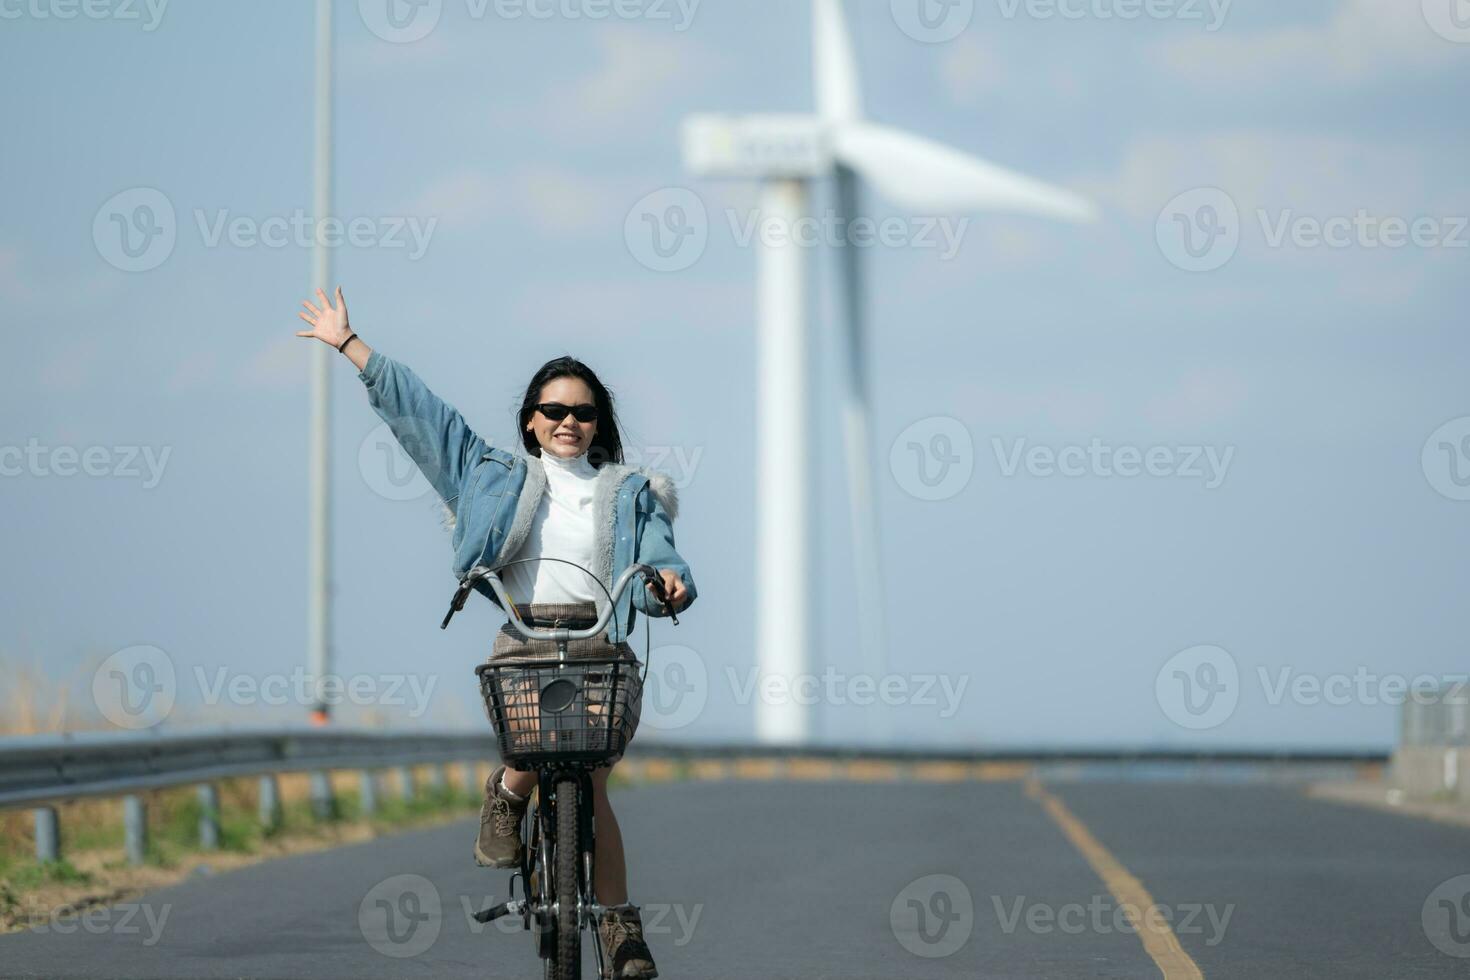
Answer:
[(94, 870)]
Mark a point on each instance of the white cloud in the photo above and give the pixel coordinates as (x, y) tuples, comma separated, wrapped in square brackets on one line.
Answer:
[(971, 68), (371, 57), (1019, 404), (553, 201), (1202, 398), (73, 366), (195, 370), (559, 202), (636, 72), (1012, 241), (1361, 41), (463, 198), (12, 286), (23, 288), (617, 308), (1309, 173), (636, 68), (1287, 188), (282, 363)]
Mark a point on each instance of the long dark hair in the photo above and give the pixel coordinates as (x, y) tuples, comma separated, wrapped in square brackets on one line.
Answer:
[(607, 444)]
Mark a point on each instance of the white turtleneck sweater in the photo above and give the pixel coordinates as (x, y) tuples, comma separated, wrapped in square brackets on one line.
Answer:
[(562, 528)]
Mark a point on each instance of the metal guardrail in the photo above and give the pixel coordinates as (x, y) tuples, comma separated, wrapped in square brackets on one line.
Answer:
[(56, 767), (39, 770), (49, 768), (647, 746)]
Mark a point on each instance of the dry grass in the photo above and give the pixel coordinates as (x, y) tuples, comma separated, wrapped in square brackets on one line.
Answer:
[(94, 870), (33, 704)]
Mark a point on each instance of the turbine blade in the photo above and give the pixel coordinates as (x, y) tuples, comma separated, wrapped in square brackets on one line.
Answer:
[(851, 341), (834, 67), (929, 176)]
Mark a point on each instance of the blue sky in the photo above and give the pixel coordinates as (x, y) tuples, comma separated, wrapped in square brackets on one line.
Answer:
[(1330, 546)]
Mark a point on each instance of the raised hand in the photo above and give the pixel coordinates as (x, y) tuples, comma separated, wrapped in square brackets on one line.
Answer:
[(328, 323)]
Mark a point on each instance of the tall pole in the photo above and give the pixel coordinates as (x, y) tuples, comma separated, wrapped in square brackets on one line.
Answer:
[(318, 615), (786, 433)]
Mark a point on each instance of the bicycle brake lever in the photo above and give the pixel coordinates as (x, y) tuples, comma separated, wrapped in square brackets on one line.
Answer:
[(457, 603), (662, 595)]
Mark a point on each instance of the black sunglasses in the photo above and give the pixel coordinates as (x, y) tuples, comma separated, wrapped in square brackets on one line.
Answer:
[(556, 411)]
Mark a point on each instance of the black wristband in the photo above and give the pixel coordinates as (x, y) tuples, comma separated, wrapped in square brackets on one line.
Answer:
[(342, 347)]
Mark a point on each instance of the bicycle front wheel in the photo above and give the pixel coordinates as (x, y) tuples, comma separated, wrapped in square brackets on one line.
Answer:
[(568, 964)]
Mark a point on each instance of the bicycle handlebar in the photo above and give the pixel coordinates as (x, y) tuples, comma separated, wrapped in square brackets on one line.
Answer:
[(559, 635)]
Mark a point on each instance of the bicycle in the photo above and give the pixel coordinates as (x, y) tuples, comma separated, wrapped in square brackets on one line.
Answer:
[(563, 718)]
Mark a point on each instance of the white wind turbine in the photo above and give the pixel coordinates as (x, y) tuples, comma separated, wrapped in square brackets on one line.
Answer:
[(785, 152)]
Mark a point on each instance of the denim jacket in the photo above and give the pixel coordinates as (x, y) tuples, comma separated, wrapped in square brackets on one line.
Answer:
[(491, 494)]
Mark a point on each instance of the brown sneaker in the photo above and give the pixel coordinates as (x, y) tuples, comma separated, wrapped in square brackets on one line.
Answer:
[(499, 842), (626, 955)]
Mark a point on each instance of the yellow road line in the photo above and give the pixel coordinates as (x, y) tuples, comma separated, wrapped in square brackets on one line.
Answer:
[(1158, 939)]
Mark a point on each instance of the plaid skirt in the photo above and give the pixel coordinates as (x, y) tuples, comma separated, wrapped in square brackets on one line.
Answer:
[(546, 615), (509, 644)]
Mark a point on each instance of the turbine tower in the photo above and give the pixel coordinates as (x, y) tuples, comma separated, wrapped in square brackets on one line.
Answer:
[(785, 153)]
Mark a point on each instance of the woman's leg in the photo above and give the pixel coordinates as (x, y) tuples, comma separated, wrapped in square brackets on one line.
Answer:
[(609, 868), (520, 783)]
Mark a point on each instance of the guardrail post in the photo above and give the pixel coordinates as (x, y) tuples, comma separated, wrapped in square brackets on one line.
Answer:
[(48, 834), (135, 829), (208, 817), (405, 783), (438, 779), (369, 792), (323, 805), (473, 784), (270, 803)]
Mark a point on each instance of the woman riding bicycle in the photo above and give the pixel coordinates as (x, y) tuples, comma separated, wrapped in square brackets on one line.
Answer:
[(569, 497)]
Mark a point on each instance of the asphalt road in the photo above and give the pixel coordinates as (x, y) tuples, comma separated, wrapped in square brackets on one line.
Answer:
[(852, 880)]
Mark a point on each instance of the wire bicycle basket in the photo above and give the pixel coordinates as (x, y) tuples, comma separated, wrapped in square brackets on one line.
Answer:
[(564, 711)]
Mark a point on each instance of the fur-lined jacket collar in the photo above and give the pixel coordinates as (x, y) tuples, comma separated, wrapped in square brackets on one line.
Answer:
[(610, 478)]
